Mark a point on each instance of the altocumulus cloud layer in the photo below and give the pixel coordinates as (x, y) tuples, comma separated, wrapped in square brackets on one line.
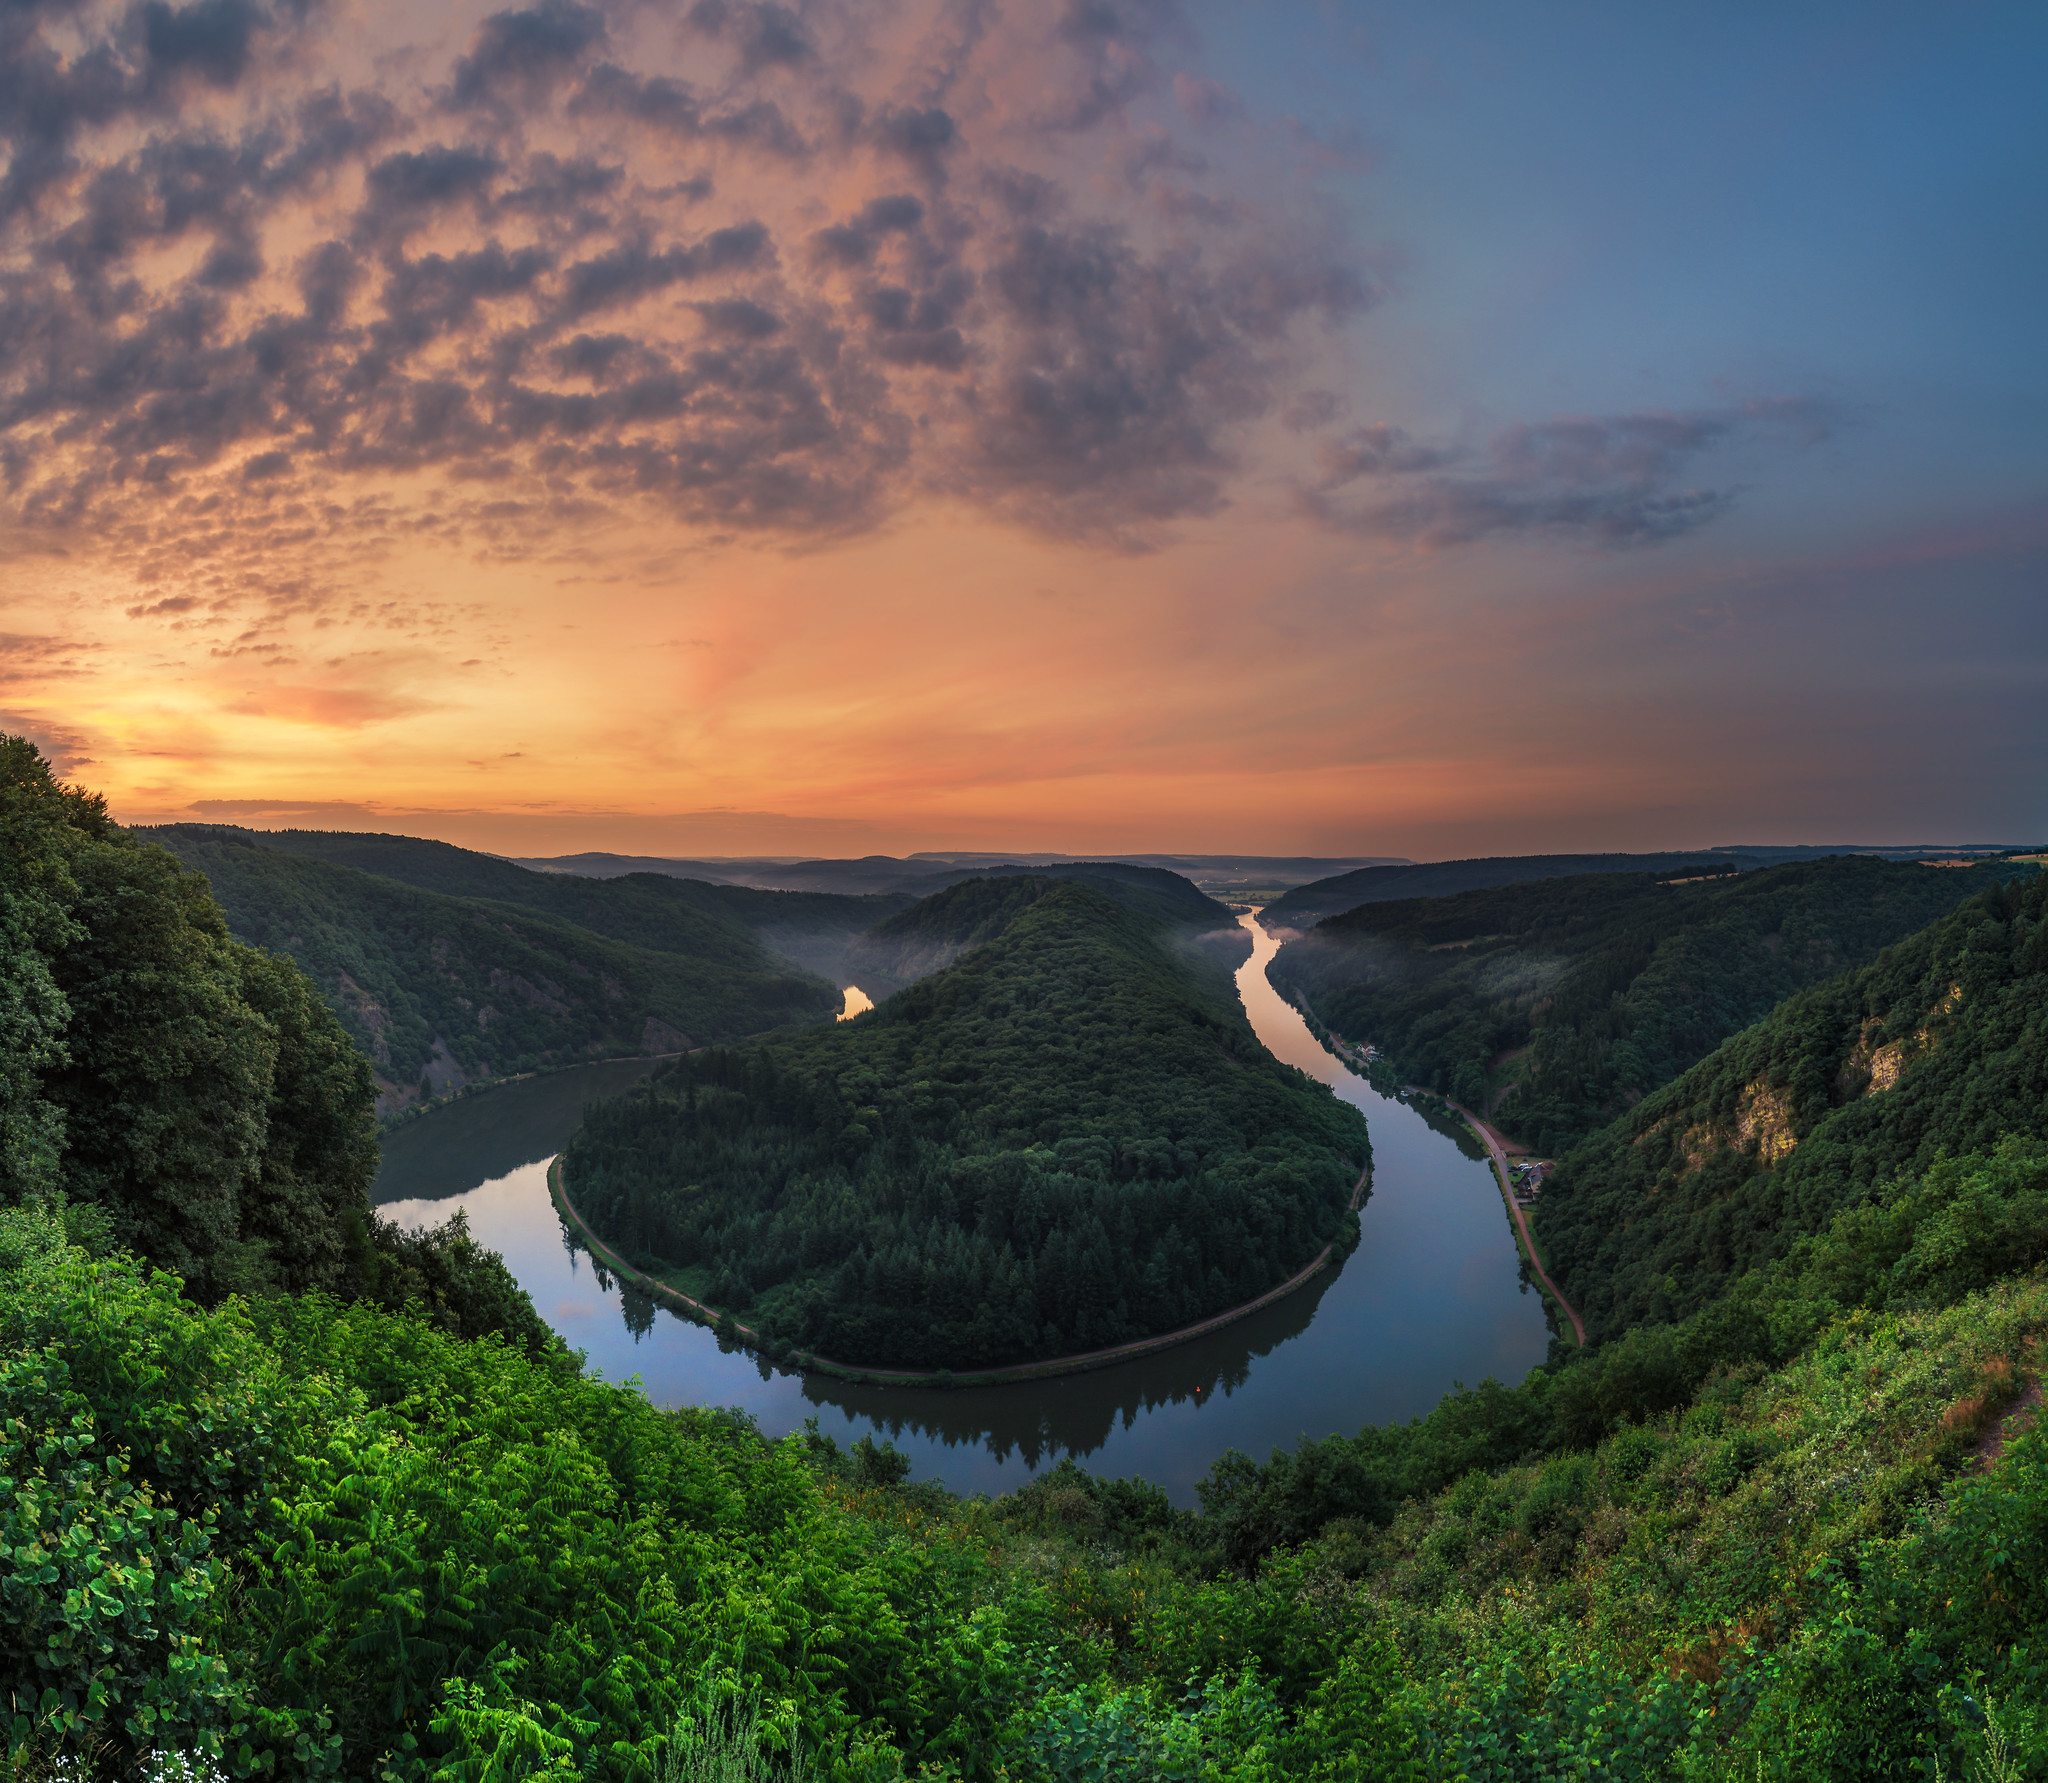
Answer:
[(275, 270), (286, 279)]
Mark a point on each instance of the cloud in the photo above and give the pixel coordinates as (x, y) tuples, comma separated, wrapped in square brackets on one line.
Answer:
[(65, 749), (545, 830), (576, 260), (1612, 480), (27, 660), (523, 55)]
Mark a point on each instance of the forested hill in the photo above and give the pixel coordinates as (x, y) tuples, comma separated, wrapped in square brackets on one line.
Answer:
[(937, 929), (441, 990), (1152, 891), (686, 916), (1941, 1044), (170, 1090), (1067, 1138), (1309, 904), (1560, 1002)]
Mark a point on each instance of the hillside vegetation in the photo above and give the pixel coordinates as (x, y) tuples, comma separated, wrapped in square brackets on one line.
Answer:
[(439, 990), (300, 1533), (1067, 1138), (671, 915), (1940, 1045), (1562, 1002), (1305, 905), (171, 1091)]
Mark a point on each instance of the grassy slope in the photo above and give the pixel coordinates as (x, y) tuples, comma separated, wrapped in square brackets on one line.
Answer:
[(1942, 1042), (503, 988), (1069, 1137), (1614, 983)]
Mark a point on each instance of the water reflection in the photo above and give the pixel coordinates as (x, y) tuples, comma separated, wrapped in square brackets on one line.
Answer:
[(1432, 1296), (857, 1000), (490, 1134)]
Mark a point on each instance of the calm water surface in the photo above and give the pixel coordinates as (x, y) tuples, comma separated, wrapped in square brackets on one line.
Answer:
[(1432, 1296)]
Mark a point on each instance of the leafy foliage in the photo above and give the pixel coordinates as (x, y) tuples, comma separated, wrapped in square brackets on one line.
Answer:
[(342, 1543), (1067, 1139), (1569, 999), (190, 1088), (168, 1089)]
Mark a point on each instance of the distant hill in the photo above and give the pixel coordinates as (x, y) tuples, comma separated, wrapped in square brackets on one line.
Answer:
[(1306, 905), (939, 928), (1222, 875), (1561, 1001), (441, 990), (675, 961), (666, 912), (1940, 1045), (1066, 1138)]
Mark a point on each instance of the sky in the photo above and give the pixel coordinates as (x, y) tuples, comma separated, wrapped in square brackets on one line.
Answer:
[(1094, 425)]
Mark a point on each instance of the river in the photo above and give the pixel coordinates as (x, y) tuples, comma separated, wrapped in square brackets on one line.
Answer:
[(1433, 1296)]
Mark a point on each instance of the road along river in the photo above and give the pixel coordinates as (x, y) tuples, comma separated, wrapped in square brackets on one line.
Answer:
[(1432, 1296)]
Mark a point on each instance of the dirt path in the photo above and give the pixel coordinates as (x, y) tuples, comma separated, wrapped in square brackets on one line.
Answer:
[(1498, 1154), (973, 1377), (2017, 1421)]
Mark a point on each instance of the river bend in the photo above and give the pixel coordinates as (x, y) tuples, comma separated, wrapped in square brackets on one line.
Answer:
[(1432, 1297)]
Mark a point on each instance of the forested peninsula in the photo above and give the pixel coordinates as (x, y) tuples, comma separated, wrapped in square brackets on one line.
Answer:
[(1067, 1138), (1558, 1003)]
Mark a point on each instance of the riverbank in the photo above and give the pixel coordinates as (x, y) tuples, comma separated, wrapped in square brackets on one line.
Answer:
[(1492, 1141), (1050, 1369)]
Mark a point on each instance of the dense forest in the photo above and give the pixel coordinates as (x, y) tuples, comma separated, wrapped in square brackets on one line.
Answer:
[(1066, 1139), (1941, 1044), (1559, 1003), (267, 1518), (182, 1095), (659, 911), (1305, 905), (438, 990)]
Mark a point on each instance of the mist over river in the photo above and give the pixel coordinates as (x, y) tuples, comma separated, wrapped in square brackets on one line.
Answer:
[(1432, 1296)]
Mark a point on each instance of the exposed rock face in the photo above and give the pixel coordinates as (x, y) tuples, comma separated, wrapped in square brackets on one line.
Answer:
[(546, 995), (366, 1014), (1879, 1067), (657, 1037), (1764, 1119)]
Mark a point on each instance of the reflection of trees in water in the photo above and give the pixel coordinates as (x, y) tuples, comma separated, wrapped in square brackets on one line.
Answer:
[(638, 1306), (477, 1139), (1439, 1119), (1076, 1414)]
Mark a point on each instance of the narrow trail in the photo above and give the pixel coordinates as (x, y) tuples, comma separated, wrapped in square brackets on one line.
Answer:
[(2016, 1421), (972, 1377), (1499, 1156)]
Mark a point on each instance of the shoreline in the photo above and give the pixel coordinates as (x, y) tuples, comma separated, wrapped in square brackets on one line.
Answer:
[(1498, 1158), (1050, 1369)]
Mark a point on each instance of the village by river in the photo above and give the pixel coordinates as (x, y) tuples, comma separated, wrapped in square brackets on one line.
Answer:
[(1433, 1296)]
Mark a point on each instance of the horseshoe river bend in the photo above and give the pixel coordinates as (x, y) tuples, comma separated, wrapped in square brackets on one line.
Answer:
[(1433, 1296)]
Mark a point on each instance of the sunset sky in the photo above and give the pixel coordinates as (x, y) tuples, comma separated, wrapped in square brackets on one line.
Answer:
[(1095, 425)]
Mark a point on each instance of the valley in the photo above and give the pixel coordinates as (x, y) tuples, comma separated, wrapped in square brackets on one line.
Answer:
[(397, 1473)]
